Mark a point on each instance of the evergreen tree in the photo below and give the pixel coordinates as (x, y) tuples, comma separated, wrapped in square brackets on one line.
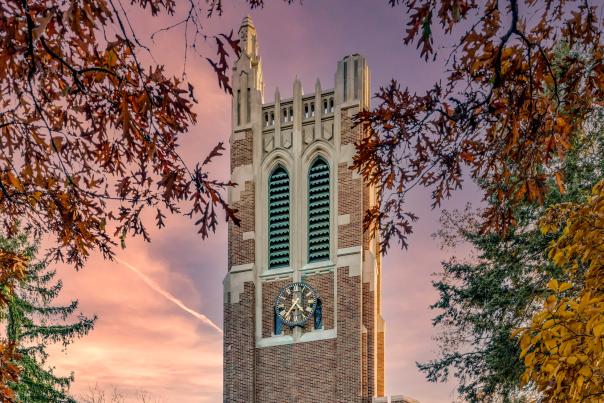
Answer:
[(482, 299), (33, 322)]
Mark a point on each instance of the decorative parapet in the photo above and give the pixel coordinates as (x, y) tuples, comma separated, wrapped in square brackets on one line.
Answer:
[(394, 399)]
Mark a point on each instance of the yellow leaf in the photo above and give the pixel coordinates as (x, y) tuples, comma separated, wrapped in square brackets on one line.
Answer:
[(553, 284), (525, 341), (551, 344), (579, 383), (598, 330), (585, 371), (566, 348)]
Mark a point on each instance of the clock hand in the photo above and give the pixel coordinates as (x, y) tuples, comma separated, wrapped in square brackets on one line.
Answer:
[(292, 307)]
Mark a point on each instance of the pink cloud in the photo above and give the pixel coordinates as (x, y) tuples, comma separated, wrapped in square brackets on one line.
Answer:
[(142, 341)]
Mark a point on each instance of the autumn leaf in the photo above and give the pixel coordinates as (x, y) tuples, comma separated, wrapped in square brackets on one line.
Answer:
[(216, 152)]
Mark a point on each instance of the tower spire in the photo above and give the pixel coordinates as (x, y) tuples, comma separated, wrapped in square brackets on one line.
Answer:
[(247, 38)]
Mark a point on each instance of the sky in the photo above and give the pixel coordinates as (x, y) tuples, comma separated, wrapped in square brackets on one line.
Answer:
[(159, 308)]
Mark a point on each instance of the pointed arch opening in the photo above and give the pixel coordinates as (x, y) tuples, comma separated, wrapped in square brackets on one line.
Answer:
[(318, 211), (278, 216)]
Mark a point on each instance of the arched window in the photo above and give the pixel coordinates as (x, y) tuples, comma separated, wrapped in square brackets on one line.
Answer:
[(318, 211), (278, 216)]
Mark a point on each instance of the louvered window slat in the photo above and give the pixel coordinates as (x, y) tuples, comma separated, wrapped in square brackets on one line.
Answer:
[(320, 239), (319, 188), (278, 217), (319, 203), (281, 203), (318, 211), (319, 218), (319, 248)]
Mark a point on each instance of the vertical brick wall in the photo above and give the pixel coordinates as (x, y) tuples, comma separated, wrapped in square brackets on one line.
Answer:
[(364, 372), (240, 317), (348, 343), (242, 150), (380, 381), (349, 189), (352, 235), (239, 347), (350, 134), (367, 236), (243, 251), (369, 323), (297, 373)]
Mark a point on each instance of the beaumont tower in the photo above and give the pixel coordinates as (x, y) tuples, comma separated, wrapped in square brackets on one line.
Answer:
[(302, 315)]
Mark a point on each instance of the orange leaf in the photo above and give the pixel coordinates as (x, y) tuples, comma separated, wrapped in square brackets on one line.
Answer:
[(560, 182)]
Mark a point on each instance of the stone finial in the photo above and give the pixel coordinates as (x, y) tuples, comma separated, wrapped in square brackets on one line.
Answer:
[(247, 37), (297, 87), (247, 22)]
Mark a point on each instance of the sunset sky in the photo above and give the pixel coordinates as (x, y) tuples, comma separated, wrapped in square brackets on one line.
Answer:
[(143, 340)]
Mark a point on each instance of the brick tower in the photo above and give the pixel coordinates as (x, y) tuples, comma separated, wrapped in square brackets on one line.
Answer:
[(302, 320)]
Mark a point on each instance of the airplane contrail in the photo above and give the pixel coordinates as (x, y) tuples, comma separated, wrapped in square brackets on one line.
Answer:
[(155, 287)]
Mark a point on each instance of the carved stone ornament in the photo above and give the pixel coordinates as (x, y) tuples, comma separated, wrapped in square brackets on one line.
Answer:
[(286, 139), (327, 130), (269, 141), (309, 133)]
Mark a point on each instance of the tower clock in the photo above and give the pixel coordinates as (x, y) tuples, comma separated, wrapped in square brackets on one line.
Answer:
[(295, 304)]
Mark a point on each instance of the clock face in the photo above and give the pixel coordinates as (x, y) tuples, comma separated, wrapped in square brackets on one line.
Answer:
[(296, 303)]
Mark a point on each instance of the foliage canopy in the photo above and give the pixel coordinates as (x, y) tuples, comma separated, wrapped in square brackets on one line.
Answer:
[(509, 106), (89, 133)]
